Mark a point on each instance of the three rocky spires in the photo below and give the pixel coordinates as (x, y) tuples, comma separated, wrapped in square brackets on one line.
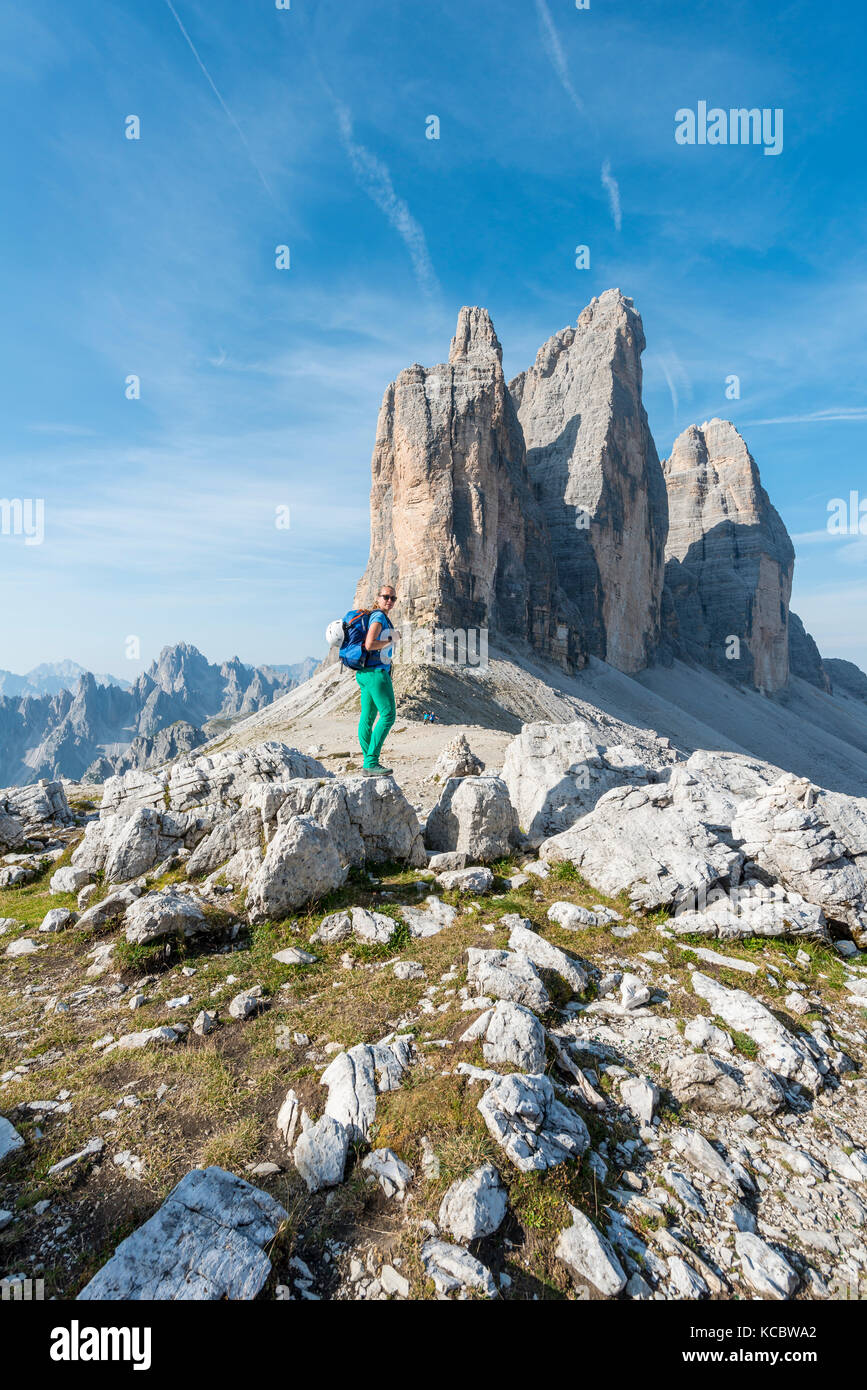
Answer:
[(540, 510)]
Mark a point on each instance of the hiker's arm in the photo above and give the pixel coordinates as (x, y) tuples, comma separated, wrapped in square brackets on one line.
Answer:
[(371, 642)]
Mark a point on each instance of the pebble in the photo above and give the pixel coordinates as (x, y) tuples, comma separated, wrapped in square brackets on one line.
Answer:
[(393, 1283), (90, 1150), (246, 1003)]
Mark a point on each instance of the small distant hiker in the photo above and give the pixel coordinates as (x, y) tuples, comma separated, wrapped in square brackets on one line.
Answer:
[(367, 649)]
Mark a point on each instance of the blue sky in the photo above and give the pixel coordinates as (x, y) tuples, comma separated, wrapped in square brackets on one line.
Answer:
[(260, 387)]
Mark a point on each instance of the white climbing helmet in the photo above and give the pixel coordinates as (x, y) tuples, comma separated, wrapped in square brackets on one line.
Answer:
[(334, 633)]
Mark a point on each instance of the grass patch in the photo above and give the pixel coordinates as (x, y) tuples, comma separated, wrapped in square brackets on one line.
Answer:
[(565, 872), (29, 903), (152, 957), (235, 1146), (742, 1042), (505, 867)]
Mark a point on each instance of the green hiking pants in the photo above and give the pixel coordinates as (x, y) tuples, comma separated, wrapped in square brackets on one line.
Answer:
[(377, 699)]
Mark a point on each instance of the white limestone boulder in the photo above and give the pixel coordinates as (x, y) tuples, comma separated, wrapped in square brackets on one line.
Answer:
[(58, 919), (453, 1269), (794, 1058), (68, 879), (301, 864), (707, 1084), (457, 760), (12, 835), (506, 975), (764, 1270), (789, 834), (474, 1207), (429, 918), (473, 881), (10, 1139), (369, 818), (589, 1256), (206, 1242), (217, 780), (124, 846), (393, 1175), (475, 817), (750, 908), (320, 1153), (574, 917), (247, 1003), (132, 1042), (511, 1036), (641, 1096), (38, 806), (556, 773), (355, 1077), (648, 842), (700, 1153), (109, 909), (240, 834), (544, 954), (372, 926), (535, 1130), (166, 913)]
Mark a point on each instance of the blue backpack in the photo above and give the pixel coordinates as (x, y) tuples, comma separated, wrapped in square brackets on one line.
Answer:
[(353, 652)]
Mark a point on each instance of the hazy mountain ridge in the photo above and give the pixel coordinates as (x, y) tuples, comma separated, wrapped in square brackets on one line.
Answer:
[(100, 727), (51, 677)]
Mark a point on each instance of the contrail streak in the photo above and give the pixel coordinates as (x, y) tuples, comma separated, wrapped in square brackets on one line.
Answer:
[(215, 89), (554, 49)]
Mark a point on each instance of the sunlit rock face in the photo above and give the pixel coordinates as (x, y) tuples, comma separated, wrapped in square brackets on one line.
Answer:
[(729, 558)]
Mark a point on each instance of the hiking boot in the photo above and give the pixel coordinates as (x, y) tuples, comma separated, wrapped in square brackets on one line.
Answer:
[(377, 771)]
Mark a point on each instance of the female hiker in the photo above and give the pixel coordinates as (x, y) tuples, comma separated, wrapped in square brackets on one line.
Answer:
[(374, 682)]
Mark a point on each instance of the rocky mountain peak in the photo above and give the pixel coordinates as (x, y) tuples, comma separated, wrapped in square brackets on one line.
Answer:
[(454, 522), (729, 557), (726, 475), (596, 473), (177, 664), (613, 311), (475, 340)]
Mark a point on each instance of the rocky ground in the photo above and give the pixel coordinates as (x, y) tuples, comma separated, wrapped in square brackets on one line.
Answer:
[(470, 1075)]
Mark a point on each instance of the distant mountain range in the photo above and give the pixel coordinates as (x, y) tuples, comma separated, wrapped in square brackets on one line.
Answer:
[(60, 720), (299, 671), (52, 677)]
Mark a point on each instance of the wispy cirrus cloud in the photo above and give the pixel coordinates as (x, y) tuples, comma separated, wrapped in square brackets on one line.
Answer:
[(855, 412), (813, 537), (554, 49), (374, 178), (612, 187), (676, 377)]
